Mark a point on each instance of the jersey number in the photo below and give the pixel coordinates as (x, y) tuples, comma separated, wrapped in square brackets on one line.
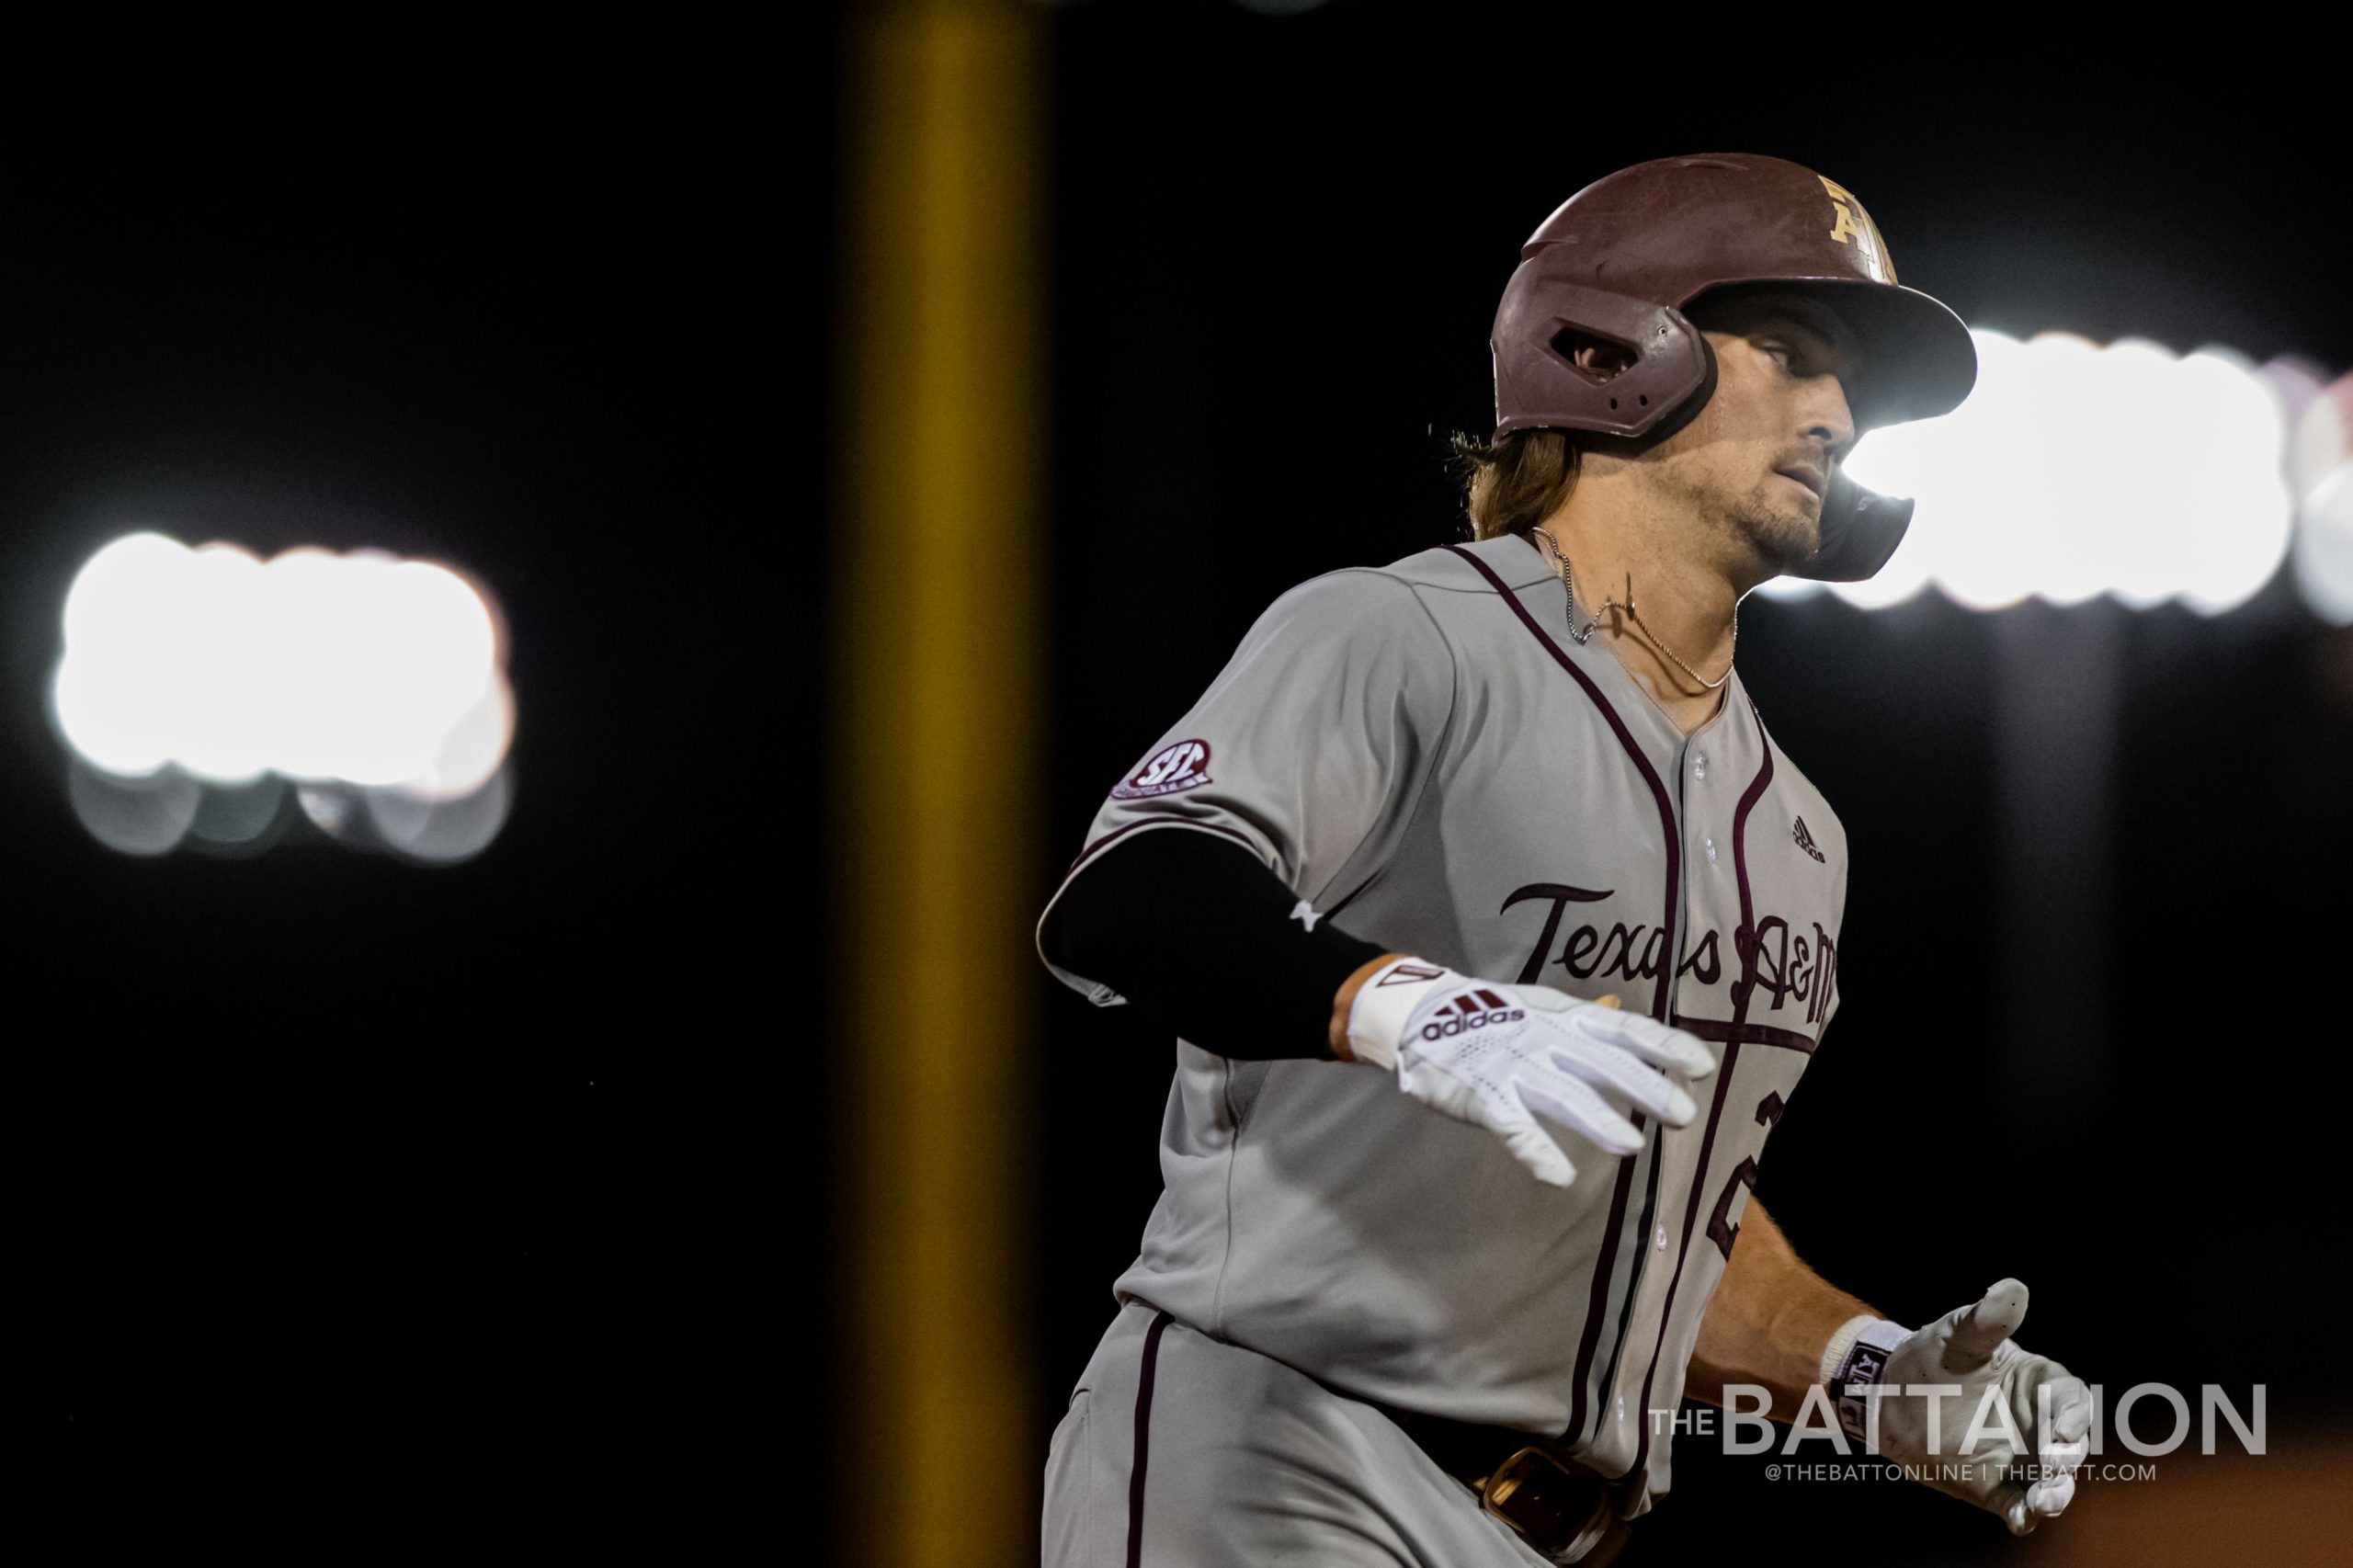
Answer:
[(1723, 1229)]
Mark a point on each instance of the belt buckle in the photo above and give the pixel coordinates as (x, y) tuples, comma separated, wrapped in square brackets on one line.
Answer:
[(1563, 1513)]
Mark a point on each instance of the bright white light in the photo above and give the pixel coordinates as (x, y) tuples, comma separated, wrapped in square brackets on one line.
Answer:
[(470, 749), (2074, 471), (2323, 559), (1932, 461), (2237, 514), (332, 808), (2293, 381), (237, 819), (134, 817), (2118, 521), (441, 831), (2324, 435), (361, 668), (219, 639), (1791, 588)]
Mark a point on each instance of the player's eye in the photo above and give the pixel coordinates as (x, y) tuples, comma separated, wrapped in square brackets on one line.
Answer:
[(1781, 351)]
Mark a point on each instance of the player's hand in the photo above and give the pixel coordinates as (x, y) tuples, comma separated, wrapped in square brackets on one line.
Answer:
[(1498, 1056), (2025, 1470)]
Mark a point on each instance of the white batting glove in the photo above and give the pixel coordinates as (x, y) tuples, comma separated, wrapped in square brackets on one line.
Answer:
[(1498, 1056), (2023, 1469)]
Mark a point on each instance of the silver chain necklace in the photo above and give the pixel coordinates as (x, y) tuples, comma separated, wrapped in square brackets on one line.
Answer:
[(1581, 638)]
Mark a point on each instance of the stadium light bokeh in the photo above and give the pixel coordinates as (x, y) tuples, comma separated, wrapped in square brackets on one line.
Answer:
[(2324, 547), (2077, 469), (197, 685)]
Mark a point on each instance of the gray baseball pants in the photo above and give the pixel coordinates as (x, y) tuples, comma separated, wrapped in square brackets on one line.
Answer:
[(1182, 1451)]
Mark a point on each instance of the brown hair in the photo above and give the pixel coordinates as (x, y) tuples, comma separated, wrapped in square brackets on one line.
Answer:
[(1515, 481)]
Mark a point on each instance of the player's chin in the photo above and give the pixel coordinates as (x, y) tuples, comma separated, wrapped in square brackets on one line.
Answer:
[(1785, 540)]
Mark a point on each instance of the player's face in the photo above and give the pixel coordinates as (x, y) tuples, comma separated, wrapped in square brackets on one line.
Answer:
[(1756, 459)]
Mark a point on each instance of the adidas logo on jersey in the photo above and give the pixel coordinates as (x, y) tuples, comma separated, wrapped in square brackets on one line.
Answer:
[(1805, 840), (1471, 1010)]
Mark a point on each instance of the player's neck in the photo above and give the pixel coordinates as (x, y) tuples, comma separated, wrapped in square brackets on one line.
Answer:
[(1685, 600)]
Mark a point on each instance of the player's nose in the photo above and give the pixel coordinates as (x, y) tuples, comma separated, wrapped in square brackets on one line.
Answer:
[(1826, 418)]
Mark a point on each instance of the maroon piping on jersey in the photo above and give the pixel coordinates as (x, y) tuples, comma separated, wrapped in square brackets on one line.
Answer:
[(1598, 1306), (1143, 1439), (1744, 942)]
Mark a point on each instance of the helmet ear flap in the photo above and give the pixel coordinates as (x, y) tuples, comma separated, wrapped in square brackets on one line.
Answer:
[(1688, 409), (1678, 416), (1571, 343), (1545, 320)]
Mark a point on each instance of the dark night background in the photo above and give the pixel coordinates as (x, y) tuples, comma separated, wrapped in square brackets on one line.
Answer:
[(1279, 245), (335, 1176), (460, 1190)]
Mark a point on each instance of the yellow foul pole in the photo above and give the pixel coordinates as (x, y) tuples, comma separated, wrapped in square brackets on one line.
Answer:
[(937, 607)]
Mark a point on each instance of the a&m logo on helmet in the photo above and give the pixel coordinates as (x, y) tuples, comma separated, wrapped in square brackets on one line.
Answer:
[(1850, 225), (1171, 768)]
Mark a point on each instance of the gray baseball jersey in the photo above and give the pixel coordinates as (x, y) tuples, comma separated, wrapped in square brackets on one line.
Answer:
[(1424, 755)]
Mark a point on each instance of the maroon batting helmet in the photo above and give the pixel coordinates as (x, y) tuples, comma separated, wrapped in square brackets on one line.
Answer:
[(1623, 258)]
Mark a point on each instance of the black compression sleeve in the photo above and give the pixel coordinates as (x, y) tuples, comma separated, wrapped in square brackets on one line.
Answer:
[(1192, 928)]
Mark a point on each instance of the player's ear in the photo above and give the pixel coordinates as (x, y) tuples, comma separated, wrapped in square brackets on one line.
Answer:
[(1597, 358)]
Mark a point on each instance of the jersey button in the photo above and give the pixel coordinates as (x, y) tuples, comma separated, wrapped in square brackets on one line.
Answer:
[(1699, 766), (1711, 851), (1661, 1238)]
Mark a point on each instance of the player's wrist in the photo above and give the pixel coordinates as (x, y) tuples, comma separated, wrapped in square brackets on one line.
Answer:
[(1345, 998), (1370, 1013), (1852, 1364)]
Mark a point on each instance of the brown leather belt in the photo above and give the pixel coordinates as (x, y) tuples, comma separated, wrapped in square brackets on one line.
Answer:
[(1567, 1512)]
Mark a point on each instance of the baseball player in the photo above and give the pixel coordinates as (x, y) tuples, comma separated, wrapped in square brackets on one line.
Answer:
[(1498, 932)]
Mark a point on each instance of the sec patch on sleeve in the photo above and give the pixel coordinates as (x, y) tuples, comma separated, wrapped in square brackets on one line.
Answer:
[(1171, 768)]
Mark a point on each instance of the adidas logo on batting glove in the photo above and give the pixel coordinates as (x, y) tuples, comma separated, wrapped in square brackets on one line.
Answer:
[(1500, 1056)]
